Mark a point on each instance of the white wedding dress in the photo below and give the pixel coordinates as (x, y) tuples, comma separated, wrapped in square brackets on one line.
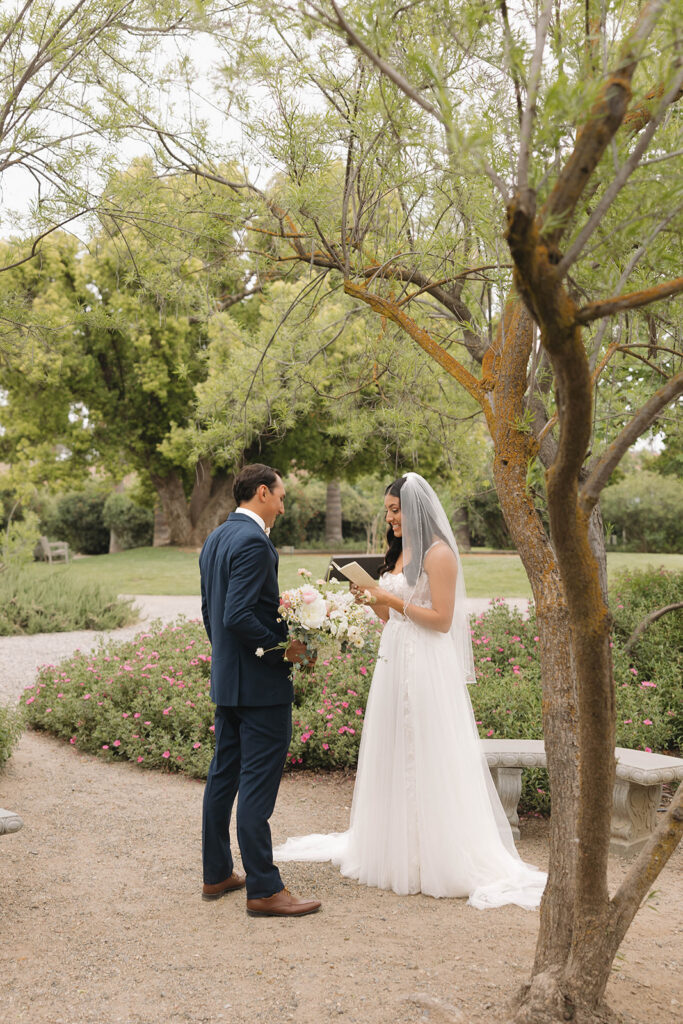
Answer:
[(425, 816)]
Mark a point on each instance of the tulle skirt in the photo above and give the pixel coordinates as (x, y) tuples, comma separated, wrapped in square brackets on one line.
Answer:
[(425, 815)]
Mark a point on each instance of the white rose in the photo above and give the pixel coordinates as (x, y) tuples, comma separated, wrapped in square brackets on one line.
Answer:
[(313, 615)]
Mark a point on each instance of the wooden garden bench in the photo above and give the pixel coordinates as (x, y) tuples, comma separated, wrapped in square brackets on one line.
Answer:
[(53, 550), (9, 822), (637, 789)]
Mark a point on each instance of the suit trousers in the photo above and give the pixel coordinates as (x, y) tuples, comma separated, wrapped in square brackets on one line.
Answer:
[(251, 746)]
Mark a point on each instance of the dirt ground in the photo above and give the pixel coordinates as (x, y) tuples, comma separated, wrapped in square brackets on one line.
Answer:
[(101, 919)]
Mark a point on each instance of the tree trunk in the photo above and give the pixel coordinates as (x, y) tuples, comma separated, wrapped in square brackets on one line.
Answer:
[(461, 527), (333, 514), (190, 521)]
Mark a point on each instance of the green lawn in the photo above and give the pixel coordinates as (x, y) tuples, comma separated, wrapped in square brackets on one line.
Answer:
[(172, 571)]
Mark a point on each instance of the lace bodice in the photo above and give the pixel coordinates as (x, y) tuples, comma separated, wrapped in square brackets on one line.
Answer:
[(396, 583)]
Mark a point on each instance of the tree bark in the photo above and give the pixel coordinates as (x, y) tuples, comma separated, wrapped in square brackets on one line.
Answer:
[(333, 514), (461, 528), (190, 521)]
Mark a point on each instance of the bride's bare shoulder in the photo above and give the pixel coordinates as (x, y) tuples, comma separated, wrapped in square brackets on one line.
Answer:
[(440, 557)]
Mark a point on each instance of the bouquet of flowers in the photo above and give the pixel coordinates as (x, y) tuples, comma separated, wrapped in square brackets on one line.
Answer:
[(315, 612)]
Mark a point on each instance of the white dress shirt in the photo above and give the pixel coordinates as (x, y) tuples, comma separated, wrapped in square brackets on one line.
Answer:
[(255, 516)]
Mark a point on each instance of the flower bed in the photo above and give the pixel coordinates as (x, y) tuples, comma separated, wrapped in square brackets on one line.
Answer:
[(147, 700)]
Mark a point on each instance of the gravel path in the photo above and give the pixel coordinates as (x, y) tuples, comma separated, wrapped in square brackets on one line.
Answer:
[(101, 920)]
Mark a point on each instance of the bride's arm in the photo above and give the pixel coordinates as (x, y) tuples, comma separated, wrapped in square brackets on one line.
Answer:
[(442, 569)]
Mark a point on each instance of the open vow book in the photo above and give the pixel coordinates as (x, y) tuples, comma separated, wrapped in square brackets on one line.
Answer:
[(356, 573)]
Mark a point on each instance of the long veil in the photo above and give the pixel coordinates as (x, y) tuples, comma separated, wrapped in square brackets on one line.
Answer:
[(424, 523)]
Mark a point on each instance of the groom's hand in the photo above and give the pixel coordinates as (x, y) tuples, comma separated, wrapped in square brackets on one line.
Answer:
[(298, 652)]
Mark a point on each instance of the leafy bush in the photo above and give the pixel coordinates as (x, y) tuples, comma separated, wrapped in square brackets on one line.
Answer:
[(78, 518), (132, 524), (18, 541), (11, 726), (147, 700), (645, 508), (304, 523), (654, 666), (54, 604)]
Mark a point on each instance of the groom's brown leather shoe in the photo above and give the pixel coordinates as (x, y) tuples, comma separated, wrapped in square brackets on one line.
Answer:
[(282, 904), (214, 892)]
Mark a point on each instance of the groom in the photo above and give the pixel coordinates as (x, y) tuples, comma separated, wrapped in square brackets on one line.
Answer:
[(252, 690)]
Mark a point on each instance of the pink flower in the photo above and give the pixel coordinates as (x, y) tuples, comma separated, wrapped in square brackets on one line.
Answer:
[(628, 721), (116, 743), (648, 750), (167, 711), (490, 732), (196, 746), (126, 714), (105, 746), (326, 746), (140, 759), (212, 728), (72, 740), (166, 753), (647, 721), (86, 696), (137, 715)]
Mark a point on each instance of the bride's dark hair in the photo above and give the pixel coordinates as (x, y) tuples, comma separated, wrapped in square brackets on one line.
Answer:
[(395, 544), (426, 532)]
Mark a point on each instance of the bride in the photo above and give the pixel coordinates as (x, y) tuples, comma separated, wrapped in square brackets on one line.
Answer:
[(425, 815)]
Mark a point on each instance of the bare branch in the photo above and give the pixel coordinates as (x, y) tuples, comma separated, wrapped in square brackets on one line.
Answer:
[(645, 870), (602, 123), (620, 179), (532, 91), (601, 471), (387, 69), (633, 300), (647, 622)]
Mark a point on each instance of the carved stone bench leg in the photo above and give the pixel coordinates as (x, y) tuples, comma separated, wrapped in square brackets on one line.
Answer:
[(9, 822), (508, 783), (634, 816)]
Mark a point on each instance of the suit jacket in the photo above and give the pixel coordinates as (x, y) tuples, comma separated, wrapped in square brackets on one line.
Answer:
[(240, 601)]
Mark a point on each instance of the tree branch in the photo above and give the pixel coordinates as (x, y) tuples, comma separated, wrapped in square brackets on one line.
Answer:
[(633, 300), (647, 622), (602, 470), (645, 870), (602, 123), (387, 69), (529, 114), (392, 310)]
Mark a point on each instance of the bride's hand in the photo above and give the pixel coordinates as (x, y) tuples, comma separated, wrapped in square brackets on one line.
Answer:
[(363, 595)]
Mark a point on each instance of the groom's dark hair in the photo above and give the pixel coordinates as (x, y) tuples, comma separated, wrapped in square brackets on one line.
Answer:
[(250, 478)]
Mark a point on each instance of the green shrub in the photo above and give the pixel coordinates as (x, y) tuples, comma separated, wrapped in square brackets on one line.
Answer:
[(649, 676), (645, 508), (132, 524), (55, 604), (304, 524), (11, 726), (78, 518), (147, 700)]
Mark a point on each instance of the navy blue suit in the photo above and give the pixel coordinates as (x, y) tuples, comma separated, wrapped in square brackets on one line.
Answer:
[(253, 697)]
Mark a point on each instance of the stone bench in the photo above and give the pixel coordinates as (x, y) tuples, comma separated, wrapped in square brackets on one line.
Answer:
[(9, 822), (637, 789)]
